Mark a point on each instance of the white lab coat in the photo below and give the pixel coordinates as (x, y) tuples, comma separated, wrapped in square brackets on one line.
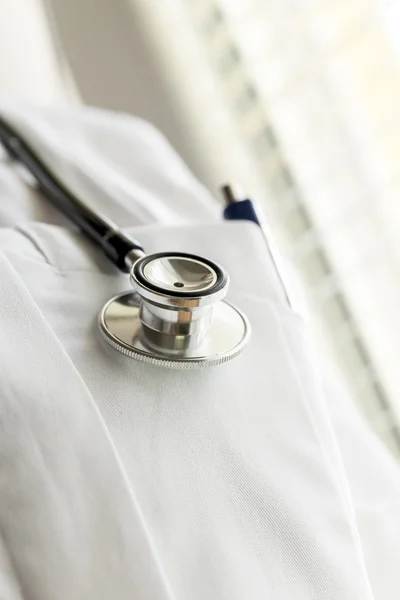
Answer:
[(254, 480)]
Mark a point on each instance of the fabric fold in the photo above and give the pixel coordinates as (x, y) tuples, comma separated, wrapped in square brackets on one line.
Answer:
[(68, 518)]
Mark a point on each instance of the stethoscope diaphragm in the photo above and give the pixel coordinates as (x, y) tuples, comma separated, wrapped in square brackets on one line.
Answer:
[(177, 316)]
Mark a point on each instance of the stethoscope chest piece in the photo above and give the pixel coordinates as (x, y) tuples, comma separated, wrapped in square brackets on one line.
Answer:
[(176, 317)]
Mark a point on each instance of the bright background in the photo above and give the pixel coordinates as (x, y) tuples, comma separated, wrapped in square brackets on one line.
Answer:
[(298, 100)]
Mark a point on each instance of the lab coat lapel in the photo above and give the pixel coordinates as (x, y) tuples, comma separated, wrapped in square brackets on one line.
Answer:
[(70, 522)]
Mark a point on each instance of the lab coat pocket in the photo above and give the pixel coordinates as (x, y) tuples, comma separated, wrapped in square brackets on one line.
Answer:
[(236, 466), (229, 474)]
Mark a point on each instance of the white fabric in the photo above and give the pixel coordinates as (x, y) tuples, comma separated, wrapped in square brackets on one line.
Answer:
[(30, 65), (253, 480)]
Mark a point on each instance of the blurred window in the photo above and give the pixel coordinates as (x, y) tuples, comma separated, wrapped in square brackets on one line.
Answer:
[(301, 101)]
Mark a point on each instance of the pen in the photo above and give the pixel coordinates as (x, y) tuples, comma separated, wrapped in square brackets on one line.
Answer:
[(239, 208)]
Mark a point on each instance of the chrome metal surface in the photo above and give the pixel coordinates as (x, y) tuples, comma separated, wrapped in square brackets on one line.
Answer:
[(196, 281), (231, 193), (176, 317), (176, 273), (121, 326), (133, 256)]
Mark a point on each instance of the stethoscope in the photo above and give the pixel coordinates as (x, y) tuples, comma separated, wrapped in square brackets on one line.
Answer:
[(176, 316)]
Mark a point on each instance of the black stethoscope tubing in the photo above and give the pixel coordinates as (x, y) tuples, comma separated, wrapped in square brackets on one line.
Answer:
[(101, 230)]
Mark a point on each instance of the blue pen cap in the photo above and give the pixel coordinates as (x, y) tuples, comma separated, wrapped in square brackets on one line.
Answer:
[(238, 208)]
